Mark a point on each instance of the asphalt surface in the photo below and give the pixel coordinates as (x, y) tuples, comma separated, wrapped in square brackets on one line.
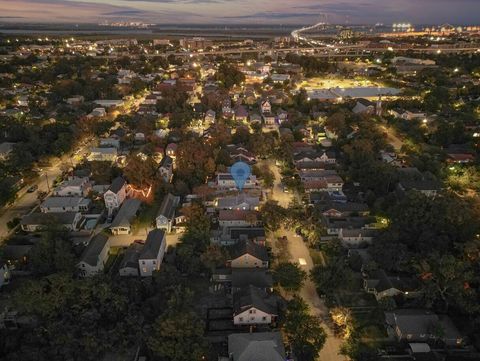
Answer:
[(299, 250)]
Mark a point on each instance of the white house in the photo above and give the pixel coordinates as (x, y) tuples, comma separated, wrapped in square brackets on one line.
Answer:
[(78, 187), (166, 213), (115, 195), (122, 223), (103, 154), (65, 204), (265, 106), (4, 274), (98, 112), (165, 169), (225, 180), (95, 256), (253, 306), (37, 221), (109, 103), (248, 254), (151, 256), (356, 237)]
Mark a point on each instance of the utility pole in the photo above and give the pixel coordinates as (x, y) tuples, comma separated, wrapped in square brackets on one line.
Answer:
[(48, 186)]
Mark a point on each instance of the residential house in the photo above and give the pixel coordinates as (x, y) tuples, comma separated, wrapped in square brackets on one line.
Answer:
[(110, 143), (98, 112), (314, 160), (37, 221), (408, 115), (416, 325), (166, 214), (258, 346), (241, 114), (226, 181), (237, 218), (95, 256), (265, 106), (5, 149), (129, 264), (122, 223), (227, 107), (259, 278), (269, 120), (280, 78), (165, 169), (4, 274), (115, 195), (364, 106), (152, 253), (241, 201), (75, 100), (77, 187), (331, 183), (356, 237), (348, 209), (334, 225), (109, 103), (103, 154), (65, 204), (210, 116), (255, 119), (382, 285), (240, 154), (253, 306), (413, 179), (248, 254), (171, 150)]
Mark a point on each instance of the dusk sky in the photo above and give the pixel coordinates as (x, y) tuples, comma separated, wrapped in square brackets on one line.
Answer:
[(243, 11)]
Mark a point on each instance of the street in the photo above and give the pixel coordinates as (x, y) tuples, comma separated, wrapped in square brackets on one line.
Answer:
[(27, 201), (298, 249), (392, 137)]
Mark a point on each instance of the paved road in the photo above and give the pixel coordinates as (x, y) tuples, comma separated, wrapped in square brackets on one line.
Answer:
[(298, 249), (27, 201), (392, 137)]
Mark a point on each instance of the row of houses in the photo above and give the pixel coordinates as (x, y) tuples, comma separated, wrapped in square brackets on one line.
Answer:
[(140, 259)]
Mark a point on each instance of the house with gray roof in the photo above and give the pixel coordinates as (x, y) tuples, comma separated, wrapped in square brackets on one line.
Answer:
[(95, 256), (122, 223), (382, 285), (253, 306), (65, 204), (38, 221), (165, 169), (248, 254), (242, 278), (129, 264), (152, 253), (166, 214), (241, 201), (418, 325), (258, 346)]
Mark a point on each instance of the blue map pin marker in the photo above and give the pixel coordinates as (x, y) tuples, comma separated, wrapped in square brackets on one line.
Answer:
[(240, 172)]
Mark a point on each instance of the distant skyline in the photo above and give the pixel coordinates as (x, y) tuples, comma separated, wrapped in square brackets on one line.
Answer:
[(242, 11)]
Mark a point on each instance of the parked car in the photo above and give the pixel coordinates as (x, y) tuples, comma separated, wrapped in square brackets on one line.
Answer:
[(32, 189)]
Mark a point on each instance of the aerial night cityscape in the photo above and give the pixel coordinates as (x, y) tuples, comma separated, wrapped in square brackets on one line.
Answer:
[(239, 180)]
